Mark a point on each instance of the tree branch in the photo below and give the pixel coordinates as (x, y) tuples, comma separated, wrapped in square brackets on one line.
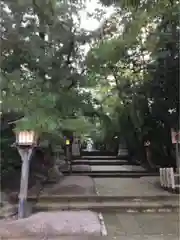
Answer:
[(113, 70), (73, 82)]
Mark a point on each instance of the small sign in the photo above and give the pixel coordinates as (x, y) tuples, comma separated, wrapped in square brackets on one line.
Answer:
[(175, 136), (67, 142)]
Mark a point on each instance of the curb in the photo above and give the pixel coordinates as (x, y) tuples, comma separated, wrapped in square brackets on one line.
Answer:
[(101, 198), (108, 203), (127, 209), (103, 206), (101, 219)]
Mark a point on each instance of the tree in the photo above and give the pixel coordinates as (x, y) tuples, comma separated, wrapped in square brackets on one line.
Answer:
[(42, 65), (43, 75), (140, 53)]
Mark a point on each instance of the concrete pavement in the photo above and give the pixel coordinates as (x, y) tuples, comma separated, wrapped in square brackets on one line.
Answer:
[(142, 226), (145, 186), (117, 168)]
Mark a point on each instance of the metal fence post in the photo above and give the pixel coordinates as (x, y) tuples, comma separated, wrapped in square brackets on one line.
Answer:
[(177, 156)]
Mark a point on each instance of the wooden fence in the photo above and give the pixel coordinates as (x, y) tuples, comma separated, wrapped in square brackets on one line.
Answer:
[(169, 179)]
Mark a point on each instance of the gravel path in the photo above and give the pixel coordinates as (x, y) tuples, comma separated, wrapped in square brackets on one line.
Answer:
[(46, 224), (135, 237)]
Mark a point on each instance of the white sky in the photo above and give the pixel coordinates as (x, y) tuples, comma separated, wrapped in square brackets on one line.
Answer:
[(90, 23)]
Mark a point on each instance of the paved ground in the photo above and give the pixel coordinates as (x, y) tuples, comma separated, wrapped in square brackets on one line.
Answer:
[(142, 226), (94, 157), (135, 227), (69, 185), (145, 186), (117, 168), (80, 167)]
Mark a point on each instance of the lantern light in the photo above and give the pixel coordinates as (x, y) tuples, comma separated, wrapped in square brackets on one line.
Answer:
[(26, 138), (67, 142)]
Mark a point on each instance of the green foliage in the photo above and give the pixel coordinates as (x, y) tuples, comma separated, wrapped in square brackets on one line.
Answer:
[(126, 87), (10, 160), (143, 103), (42, 67), (43, 71)]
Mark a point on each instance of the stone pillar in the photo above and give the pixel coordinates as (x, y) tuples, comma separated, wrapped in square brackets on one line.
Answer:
[(76, 148)]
